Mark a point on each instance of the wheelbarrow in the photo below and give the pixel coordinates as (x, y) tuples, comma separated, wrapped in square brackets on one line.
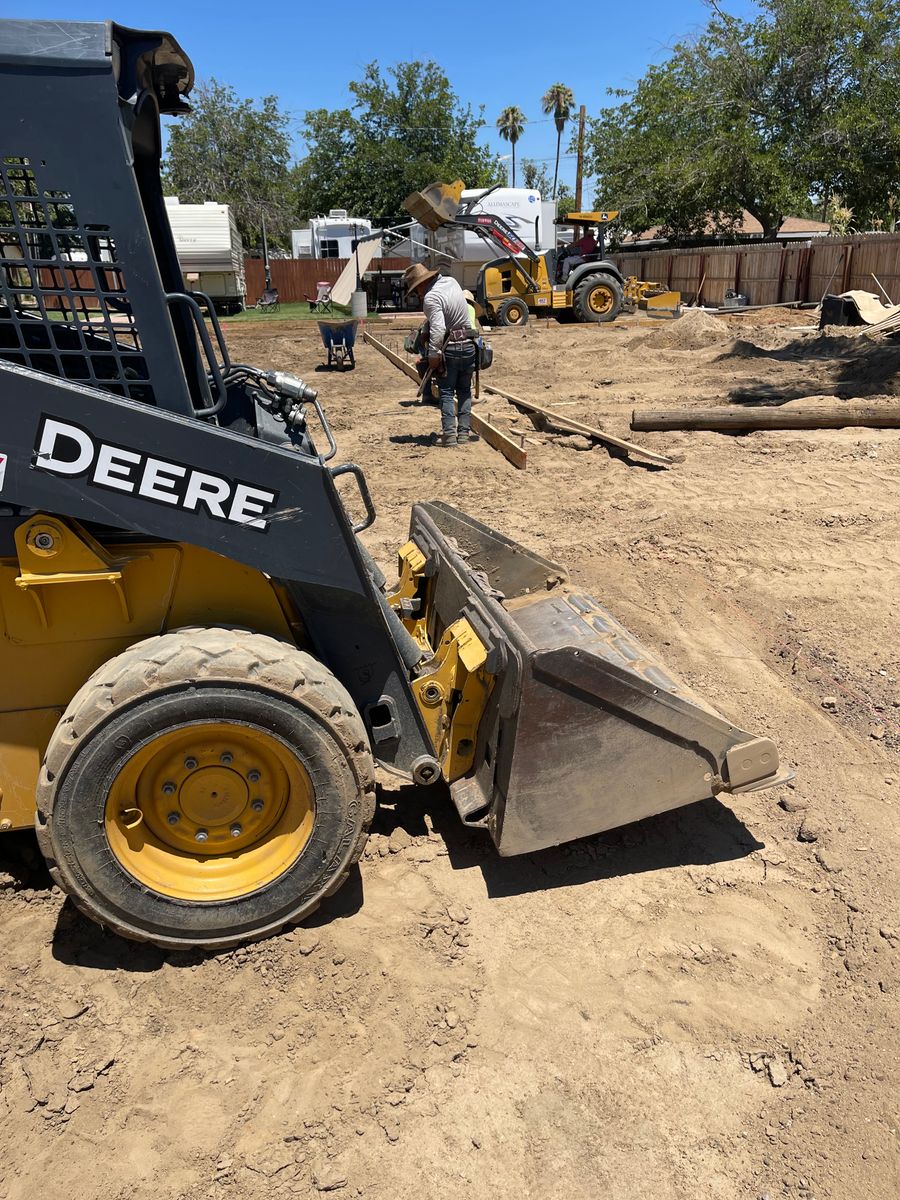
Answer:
[(338, 338)]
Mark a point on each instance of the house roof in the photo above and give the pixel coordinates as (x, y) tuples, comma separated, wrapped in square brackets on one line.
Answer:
[(748, 226), (801, 225)]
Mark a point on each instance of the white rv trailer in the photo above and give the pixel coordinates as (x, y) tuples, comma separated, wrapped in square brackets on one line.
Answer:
[(329, 237), (210, 251), (463, 253)]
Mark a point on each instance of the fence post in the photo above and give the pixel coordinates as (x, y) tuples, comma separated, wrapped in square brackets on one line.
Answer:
[(845, 278), (803, 281), (781, 267)]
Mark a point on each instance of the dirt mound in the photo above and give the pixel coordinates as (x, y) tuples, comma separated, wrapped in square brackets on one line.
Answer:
[(694, 330), (879, 366)]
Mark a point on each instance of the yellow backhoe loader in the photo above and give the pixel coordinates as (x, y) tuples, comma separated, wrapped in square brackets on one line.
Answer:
[(522, 281)]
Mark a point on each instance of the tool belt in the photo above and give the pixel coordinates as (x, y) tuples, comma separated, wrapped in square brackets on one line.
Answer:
[(468, 334)]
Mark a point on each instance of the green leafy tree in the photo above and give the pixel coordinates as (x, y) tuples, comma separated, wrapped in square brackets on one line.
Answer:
[(565, 200), (511, 126), (405, 130), (558, 100), (766, 115), (535, 177), (234, 152)]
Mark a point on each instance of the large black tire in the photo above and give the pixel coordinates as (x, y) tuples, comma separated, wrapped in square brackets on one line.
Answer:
[(597, 298), (513, 312), (180, 686)]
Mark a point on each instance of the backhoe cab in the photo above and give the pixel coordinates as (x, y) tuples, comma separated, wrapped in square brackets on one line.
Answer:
[(200, 664)]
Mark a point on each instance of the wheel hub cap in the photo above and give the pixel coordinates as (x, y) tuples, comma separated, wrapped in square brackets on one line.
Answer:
[(213, 796), (600, 300), (210, 811)]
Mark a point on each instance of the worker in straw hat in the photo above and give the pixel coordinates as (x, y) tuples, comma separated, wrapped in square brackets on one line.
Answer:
[(451, 349)]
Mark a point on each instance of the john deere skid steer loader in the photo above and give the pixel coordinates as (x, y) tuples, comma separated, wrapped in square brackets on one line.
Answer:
[(199, 664)]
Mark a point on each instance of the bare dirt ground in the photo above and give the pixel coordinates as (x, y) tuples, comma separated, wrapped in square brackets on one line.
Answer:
[(701, 1005)]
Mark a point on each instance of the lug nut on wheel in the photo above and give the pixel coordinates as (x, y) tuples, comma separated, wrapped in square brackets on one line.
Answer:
[(190, 764), (173, 818), (236, 830), (226, 759), (257, 805), (169, 789), (201, 835), (253, 776)]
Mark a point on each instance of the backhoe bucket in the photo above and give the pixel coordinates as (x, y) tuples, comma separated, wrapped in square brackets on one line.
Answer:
[(436, 205), (584, 729)]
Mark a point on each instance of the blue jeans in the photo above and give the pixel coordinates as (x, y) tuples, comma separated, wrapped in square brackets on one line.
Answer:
[(456, 385)]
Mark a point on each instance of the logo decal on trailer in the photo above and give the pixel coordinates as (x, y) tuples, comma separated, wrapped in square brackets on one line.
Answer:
[(3, 458)]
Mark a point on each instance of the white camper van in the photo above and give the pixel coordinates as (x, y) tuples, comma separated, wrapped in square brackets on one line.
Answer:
[(462, 253), (329, 237), (210, 251)]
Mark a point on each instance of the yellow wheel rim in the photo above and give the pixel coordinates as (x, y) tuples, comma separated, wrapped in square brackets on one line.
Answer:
[(210, 811), (515, 314), (600, 299)]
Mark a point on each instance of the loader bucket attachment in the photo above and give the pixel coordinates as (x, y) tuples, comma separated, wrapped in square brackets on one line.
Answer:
[(436, 205), (584, 729), (662, 304)]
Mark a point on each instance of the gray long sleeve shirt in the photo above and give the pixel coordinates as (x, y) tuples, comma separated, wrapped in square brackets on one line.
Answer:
[(445, 308)]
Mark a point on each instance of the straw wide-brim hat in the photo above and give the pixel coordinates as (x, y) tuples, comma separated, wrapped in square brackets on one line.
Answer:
[(470, 299), (416, 275)]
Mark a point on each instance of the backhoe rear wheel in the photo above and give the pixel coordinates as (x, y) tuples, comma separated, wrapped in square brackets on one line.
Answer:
[(598, 299), (205, 788)]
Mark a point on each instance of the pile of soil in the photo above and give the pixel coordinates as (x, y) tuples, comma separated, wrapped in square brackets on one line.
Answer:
[(693, 330)]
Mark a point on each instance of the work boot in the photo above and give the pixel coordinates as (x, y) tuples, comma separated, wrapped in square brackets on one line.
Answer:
[(466, 435), (447, 439)]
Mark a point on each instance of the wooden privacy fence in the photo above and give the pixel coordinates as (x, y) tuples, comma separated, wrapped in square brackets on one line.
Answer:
[(296, 278), (768, 273), (773, 274)]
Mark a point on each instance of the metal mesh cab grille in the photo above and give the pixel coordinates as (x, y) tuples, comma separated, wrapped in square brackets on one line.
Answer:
[(63, 303)]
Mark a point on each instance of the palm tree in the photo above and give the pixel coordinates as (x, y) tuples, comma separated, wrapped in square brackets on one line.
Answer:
[(558, 100), (511, 126)]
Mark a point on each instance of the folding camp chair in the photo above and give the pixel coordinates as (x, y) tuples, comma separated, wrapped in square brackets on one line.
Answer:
[(268, 301), (321, 302)]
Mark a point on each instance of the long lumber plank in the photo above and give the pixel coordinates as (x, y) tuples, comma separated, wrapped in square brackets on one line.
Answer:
[(496, 438), (569, 425), (839, 416), (405, 367)]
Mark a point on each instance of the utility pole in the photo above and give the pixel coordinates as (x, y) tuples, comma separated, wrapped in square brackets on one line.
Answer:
[(265, 250), (579, 164)]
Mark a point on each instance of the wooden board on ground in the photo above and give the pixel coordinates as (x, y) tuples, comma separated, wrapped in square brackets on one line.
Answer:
[(406, 367), (839, 416), (568, 425), (494, 437)]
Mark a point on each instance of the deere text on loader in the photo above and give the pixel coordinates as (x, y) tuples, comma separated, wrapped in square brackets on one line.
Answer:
[(200, 663)]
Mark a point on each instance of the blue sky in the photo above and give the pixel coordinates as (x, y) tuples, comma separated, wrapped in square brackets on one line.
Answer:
[(509, 54)]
